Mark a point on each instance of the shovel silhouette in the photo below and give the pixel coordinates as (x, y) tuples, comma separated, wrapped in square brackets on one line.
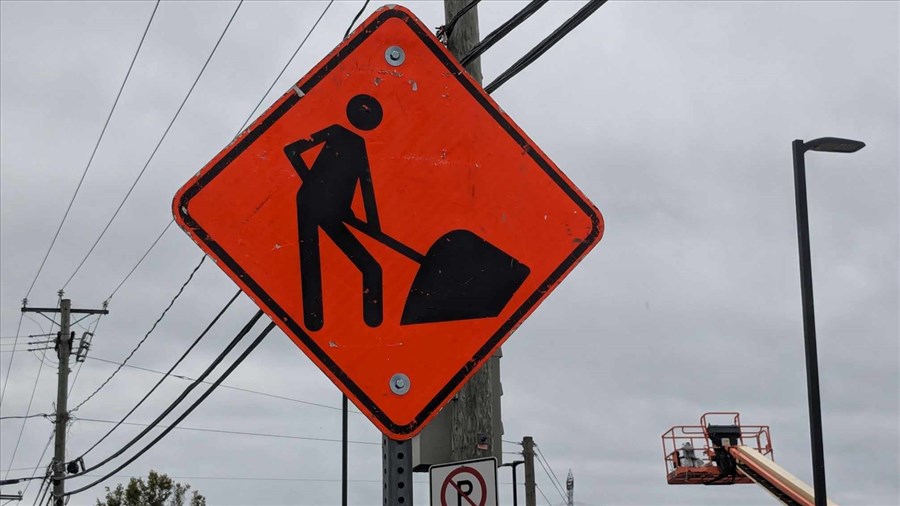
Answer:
[(460, 277)]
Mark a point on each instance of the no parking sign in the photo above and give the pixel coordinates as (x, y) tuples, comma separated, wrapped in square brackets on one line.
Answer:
[(468, 483)]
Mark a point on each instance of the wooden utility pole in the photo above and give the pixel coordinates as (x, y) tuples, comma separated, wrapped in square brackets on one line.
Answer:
[(63, 352), (528, 453), (475, 409), (463, 34), (64, 349)]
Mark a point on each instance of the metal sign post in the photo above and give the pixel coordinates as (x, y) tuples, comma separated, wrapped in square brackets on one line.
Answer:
[(396, 457)]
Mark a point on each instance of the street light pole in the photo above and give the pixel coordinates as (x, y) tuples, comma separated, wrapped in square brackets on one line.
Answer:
[(833, 145)]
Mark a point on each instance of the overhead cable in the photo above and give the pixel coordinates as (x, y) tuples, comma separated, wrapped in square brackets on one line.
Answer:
[(544, 45), (552, 472), (234, 342), (11, 357), (283, 69), (28, 409), (190, 409), (91, 331), (492, 38), (141, 342), (445, 31), (155, 149), (38, 415), (538, 487), (237, 432), (230, 387), (558, 491), (37, 465), (355, 18), (166, 375), (29, 479), (140, 260), (241, 129), (94, 152), (262, 478)]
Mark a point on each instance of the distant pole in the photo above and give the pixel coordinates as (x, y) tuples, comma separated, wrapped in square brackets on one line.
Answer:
[(64, 351), (570, 489), (473, 412), (344, 451), (515, 485), (528, 453)]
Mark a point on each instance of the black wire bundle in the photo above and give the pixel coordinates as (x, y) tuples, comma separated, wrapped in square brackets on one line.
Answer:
[(501, 31), (542, 47), (234, 342), (189, 410), (444, 32), (166, 375)]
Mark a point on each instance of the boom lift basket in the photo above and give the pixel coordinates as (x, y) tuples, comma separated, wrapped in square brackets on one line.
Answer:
[(698, 454)]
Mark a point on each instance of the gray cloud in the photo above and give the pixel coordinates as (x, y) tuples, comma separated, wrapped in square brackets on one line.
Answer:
[(674, 118)]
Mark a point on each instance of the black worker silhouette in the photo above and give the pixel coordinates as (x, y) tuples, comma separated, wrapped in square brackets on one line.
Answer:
[(460, 277), (324, 200)]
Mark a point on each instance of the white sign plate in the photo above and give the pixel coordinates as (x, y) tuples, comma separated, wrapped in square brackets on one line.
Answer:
[(469, 483)]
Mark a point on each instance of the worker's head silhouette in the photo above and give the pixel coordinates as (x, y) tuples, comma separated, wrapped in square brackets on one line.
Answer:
[(364, 112)]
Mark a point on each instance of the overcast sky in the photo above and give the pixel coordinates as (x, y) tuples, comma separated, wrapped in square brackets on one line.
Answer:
[(675, 119)]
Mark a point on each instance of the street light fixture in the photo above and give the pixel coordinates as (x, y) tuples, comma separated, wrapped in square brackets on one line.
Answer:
[(829, 145)]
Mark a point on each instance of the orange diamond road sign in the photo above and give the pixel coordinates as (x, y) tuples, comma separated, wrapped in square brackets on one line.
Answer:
[(392, 220)]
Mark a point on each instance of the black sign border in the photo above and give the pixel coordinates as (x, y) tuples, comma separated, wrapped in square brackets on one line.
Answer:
[(478, 94)]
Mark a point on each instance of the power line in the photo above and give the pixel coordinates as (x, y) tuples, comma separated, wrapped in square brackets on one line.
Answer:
[(247, 478), (141, 342), (241, 129), (230, 387), (31, 335), (11, 357), (355, 18), (187, 412), (94, 152), (38, 464), (555, 477), (283, 69), (543, 494), (234, 342), (492, 38), (81, 364), (140, 261), (13, 351), (542, 47), (166, 375), (236, 432), (158, 144), (30, 402), (445, 31), (540, 459), (38, 415)]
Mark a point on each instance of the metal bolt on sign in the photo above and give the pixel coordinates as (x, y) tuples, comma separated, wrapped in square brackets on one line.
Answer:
[(400, 383), (395, 56)]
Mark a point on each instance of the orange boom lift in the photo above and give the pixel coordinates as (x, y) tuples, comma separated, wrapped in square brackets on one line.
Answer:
[(729, 453)]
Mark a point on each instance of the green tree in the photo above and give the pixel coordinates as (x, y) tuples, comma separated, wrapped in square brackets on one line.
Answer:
[(158, 490)]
